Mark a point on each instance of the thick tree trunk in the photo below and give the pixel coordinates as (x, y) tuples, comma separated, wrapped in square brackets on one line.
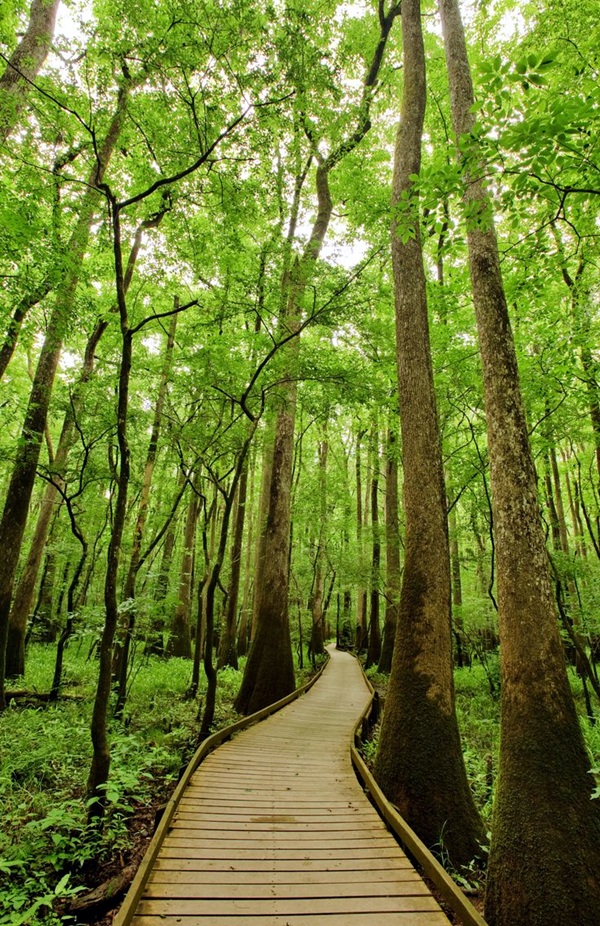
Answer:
[(25, 63), (269, 670), (392, 556), (544, 863), (419, 762), (16, 508), (269, 673)]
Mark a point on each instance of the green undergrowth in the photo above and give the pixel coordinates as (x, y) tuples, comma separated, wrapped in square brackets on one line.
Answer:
[(46, 849)]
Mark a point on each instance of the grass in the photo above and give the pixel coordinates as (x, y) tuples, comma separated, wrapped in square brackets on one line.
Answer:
[(46, 849)]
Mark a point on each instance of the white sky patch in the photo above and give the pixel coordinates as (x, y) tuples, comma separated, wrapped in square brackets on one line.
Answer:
[(152, 343), (70, 18), (351, 11), (346, 255), (511, 26), (69, 360)]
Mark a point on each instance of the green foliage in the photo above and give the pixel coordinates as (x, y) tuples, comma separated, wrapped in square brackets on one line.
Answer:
[(45, 839)]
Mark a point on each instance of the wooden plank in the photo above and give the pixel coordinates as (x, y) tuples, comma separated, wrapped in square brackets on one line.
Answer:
[(317, 838), (182, 852), (286, 907), (276, 822), (272, 844), (343, 878), (265, 890), (199, 798), (275, 865), (429, 918)]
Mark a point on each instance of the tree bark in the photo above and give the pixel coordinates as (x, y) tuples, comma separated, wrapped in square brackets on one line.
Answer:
[(317, 647), (121, 655), (374, 650), (228, 653), (269, 672), (361, 617), (23, 599), (419, 762), (25, 64), (392, 554), (544, 862), (180, 641), (16, 508)]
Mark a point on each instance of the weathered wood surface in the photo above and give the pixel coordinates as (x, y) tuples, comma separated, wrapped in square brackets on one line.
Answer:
[(274, 829)]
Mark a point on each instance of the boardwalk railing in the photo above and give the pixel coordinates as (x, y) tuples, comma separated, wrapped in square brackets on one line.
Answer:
[(449, 890)]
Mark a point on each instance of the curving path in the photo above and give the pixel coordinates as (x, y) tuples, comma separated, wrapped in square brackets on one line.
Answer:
[(275, 830)]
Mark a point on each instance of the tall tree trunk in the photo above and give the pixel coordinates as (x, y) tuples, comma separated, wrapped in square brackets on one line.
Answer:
[(100, 766), (211, 675), (242, 641), (419, 761), (22, 479), (544, 863), (180, 641), (361, 616), (18, 317), (552, 512), (228, 654), (25, 63), (560, 508), (269, 672), (23, 599), (374, 650), (122, 650), (317, 638), (392, 555), (575, 515)]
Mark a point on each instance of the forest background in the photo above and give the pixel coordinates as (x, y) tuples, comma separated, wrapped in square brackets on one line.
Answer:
[(162, 196)]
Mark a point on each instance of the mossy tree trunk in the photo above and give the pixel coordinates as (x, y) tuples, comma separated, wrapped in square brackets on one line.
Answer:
[(419, 762), (25, 63), (544, 863)]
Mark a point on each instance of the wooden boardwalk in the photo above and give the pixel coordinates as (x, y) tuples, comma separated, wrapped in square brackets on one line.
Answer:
[(274, 829)]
